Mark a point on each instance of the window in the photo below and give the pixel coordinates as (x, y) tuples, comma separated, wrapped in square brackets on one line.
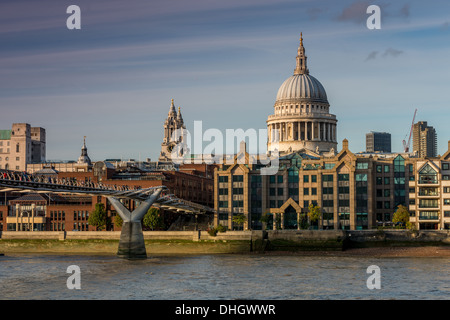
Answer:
[(445, 177), (387, 204), (223, 204), (399, 164), (446, 189), (329, 166), (427, 175), (313, 178), (379, 181), (223, 191), (327, 177), (344, 189), (328, 190), (280, 179), (412, 190), (361, 177), (313, 191), (362, 165), (344, 203), (305, 178), (238, 178), (327, 203), (280, 191), (445, 166), (379, 205), (305, 204), (223, 178), (387, 180), (238, 190), (272, 191), (343, 177), (272, 179), (412, 201), (387, 192), (447, 214), (379, 193), (386, 168), (306, 191), (17, 148), (379, 168), (446, 201)]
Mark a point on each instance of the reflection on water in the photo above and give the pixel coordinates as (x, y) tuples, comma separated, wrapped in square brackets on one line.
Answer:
[(222, 277)]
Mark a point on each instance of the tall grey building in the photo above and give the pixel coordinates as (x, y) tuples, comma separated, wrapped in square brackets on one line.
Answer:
[(424, 140), (378, 142)]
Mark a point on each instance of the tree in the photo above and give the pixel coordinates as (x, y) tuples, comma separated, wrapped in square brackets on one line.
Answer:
[(314, 214), (265, 218), (98, 217), (152, 219), (401, 216), (304, 221), (239, 219), (118, 221)]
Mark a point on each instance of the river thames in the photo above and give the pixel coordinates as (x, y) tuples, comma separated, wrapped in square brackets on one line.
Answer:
[(222, 277)]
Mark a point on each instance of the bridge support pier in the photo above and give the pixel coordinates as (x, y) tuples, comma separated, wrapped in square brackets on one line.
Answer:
[(131, 243)]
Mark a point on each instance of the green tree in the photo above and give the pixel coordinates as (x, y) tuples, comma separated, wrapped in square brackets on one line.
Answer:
[(401, 216), (98, 218), (304, 221), (265, 218), (152, 219), (314, 214), (239, 220), (118, 221)]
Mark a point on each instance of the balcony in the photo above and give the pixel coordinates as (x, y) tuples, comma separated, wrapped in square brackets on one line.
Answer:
[(426, 180), (426, 217), (426, 193)]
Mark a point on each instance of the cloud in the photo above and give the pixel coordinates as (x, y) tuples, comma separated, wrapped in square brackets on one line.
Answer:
[(392, 52), (356, 12), (372, 55), (404, 11), (314, 13)]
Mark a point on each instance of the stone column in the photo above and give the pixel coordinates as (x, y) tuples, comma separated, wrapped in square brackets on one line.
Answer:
[(298, 220), (282, 220), (17, 216), (313, 135), (33, 212), (329, 132)]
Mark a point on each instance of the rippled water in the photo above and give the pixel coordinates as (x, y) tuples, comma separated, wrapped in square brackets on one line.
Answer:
[(222, 277)]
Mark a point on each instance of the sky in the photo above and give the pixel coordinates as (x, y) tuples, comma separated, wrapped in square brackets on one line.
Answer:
[(222, 62)]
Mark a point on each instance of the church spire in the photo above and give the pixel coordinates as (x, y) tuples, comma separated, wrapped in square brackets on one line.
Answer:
[(301, 67), (172, 108)]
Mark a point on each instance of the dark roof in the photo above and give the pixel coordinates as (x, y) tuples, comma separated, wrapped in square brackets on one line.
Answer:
[(30, 197)]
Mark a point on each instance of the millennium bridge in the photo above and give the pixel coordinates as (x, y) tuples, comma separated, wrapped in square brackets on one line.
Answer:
[(131, 244)]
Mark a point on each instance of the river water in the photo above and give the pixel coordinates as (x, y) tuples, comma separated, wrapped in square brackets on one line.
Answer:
[(222, 277)]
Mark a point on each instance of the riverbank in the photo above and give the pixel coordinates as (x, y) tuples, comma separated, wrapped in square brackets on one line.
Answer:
[(323, 242)]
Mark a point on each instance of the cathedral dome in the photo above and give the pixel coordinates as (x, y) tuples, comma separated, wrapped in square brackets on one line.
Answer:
[(301, 87)]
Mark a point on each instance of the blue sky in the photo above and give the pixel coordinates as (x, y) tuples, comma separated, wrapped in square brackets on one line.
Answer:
[(222, 62)]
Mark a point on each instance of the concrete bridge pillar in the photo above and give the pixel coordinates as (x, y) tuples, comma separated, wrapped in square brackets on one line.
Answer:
[(131, 243)]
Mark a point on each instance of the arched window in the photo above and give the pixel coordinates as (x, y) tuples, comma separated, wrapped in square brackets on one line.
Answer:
[(17, 148)]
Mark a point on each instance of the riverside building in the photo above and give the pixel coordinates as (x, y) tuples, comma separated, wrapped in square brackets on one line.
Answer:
[(354, 191)]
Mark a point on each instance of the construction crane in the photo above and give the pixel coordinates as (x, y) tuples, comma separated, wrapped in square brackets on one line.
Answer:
[(407, 144)]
